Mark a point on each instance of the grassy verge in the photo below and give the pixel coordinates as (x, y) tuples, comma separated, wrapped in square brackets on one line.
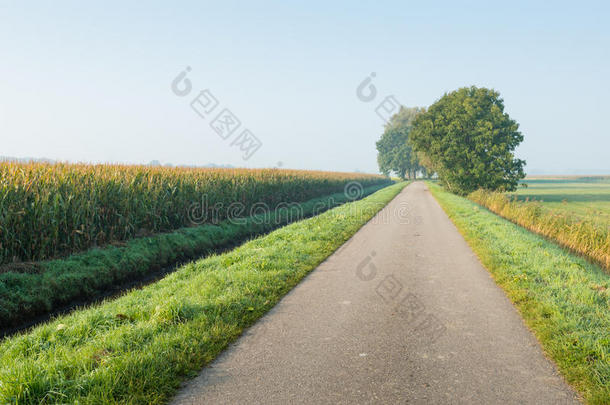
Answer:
[(584, 236), (137, 348), (563, 298), (58, 283)]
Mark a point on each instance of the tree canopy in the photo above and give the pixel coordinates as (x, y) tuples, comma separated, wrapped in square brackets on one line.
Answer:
[(468, 139), (395, 153)]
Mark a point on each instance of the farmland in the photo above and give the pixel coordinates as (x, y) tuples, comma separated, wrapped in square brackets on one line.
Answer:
[(582, 197), (38, 288), (48, 210), (305, 202), (137, 348), (574, 212)]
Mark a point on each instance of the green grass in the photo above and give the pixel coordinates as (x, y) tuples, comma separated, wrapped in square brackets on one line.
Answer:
[(37, 290), (583, 197), (138, 348), (564, 299)]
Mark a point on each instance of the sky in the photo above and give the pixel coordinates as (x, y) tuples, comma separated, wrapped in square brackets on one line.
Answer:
[(92, 81)]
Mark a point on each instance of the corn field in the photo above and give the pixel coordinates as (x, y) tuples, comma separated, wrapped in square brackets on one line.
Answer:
[(49, 210), (582, 236)]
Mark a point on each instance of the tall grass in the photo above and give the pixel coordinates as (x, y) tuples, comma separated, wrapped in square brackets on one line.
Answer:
[(580, 235), (48, 210)]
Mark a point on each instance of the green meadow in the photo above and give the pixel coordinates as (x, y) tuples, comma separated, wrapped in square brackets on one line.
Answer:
[(583, 197)]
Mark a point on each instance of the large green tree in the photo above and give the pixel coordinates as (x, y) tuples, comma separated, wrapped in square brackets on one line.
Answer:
[(468, 139), (395, 153)]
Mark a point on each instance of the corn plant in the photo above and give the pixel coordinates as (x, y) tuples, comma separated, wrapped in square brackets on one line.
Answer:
[(49, 210)]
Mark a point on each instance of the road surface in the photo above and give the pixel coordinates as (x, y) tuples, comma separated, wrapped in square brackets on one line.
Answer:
[(403, 313)]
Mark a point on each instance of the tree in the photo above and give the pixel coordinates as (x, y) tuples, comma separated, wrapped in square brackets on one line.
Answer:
[(395, 154), (425, 165), (468, 139)]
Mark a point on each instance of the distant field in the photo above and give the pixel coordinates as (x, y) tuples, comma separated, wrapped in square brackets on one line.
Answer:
[(584, 197)]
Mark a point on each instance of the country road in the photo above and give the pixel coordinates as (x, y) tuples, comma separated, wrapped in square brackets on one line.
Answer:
[(403, 313)]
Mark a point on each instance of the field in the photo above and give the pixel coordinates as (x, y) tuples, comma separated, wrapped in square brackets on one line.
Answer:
[(564, 299), (70, 234), (51, 210), (139, 347), (44, 287), (582, 197), (574, 211)]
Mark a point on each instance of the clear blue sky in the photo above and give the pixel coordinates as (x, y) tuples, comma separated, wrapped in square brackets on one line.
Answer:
[(91, 82)]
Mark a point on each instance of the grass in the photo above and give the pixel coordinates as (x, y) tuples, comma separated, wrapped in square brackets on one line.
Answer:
[(27, 291), (587, 198), (574, 212), (564, 299), (138, 348)]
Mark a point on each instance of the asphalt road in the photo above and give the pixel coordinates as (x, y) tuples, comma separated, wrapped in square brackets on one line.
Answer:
[(402, 313)]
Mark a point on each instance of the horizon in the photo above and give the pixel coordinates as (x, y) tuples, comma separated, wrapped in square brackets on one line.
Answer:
[(27, 159)]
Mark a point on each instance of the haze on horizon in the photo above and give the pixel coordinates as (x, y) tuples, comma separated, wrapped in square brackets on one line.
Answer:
[(92, 82)]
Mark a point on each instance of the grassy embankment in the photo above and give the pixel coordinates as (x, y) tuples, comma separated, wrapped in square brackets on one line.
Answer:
[(573, 212), (84, 276), (137, 348), (564, 299)]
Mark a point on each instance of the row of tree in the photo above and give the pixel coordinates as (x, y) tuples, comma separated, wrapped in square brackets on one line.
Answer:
[(465, 138)]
